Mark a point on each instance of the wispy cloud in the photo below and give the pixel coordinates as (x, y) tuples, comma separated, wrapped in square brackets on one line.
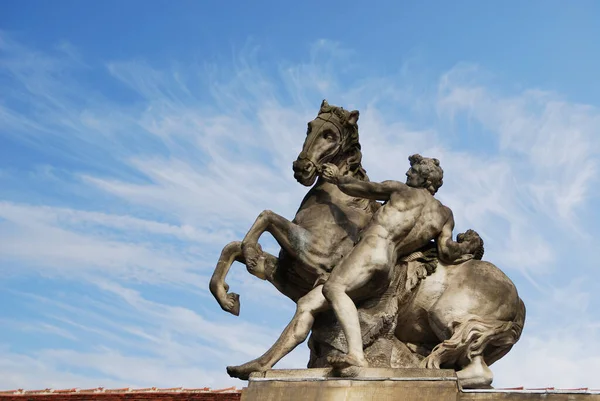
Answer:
[(138, 196), (554, 141)]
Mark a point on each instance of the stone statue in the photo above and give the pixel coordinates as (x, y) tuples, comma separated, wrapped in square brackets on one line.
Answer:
[(410, 218), (404, 294)]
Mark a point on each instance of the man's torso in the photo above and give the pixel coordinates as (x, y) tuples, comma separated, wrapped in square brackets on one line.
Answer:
[(409, 219)]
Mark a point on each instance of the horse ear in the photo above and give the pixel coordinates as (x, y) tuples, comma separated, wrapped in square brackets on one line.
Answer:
[(353, 117), (324, 104)]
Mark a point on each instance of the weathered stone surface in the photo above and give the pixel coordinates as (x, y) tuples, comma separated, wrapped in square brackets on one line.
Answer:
[(370, 385), (528, 396), (383, 258), (325, 373), (346, 390), (385, 384)]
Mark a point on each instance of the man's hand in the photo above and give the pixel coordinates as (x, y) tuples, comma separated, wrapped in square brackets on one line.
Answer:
[(330, 173)]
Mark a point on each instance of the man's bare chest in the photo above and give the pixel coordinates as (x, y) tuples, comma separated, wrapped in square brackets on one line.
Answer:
[(408, 201)]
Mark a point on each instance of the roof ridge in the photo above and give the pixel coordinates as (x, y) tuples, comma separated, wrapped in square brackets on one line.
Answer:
[(102, 390)]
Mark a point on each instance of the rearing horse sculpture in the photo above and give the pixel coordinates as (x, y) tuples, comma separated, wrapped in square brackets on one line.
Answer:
[(327, 223), (470, 314)]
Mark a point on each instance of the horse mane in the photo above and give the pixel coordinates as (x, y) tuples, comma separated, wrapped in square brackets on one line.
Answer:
[(351, 150), (355, 167), (350, 153)]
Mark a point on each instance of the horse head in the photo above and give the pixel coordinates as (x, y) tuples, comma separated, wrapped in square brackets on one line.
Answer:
[(332, 137)]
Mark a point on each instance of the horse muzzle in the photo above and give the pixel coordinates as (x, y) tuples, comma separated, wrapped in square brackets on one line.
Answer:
[(305, 172)]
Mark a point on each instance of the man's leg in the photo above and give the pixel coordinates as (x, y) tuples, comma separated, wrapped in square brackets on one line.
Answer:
[(355, 271), (293, 335)]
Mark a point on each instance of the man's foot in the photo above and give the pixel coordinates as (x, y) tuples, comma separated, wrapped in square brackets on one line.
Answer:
[(243, 371), (342, 361), (347, 365)]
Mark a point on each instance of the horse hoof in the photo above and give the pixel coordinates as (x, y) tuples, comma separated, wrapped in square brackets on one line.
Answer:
[(475, 375)]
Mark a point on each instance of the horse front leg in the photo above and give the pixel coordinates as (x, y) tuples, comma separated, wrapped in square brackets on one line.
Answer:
[(229, 302), (232, 252), (296, 240)]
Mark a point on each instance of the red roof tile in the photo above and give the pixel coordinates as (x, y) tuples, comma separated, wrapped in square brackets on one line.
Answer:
[(120, 390)]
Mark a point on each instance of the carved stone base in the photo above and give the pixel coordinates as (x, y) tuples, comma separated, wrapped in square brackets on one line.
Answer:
[(386, 384), (371, 384)]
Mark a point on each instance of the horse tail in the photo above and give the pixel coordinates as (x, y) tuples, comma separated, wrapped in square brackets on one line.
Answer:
[(512, 337), (477, 336)]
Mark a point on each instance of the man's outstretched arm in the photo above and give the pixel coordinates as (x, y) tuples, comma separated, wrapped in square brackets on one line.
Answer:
[(361, 189), (450, 251)]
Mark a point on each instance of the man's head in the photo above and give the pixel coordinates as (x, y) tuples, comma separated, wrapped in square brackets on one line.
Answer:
[(425, 173)]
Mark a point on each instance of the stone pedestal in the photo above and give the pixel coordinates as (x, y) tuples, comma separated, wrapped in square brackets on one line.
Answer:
[(384, 384), (372, 384)]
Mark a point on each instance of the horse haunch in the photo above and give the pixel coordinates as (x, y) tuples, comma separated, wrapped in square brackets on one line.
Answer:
[(472, 309)]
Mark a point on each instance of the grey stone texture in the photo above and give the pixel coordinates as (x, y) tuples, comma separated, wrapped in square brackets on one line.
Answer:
[(385, 384), (377, 277)]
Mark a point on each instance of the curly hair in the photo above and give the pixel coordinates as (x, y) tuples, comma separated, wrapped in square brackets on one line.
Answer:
[(480, 250), (431, 169)]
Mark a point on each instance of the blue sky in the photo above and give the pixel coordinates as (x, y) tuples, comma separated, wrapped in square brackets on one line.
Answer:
[(138, 138)]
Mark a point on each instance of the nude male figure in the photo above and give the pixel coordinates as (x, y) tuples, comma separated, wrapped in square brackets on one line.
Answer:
[(409, 220)]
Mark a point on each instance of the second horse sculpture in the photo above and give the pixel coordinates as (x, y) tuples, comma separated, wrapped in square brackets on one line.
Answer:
[(425, 313)]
